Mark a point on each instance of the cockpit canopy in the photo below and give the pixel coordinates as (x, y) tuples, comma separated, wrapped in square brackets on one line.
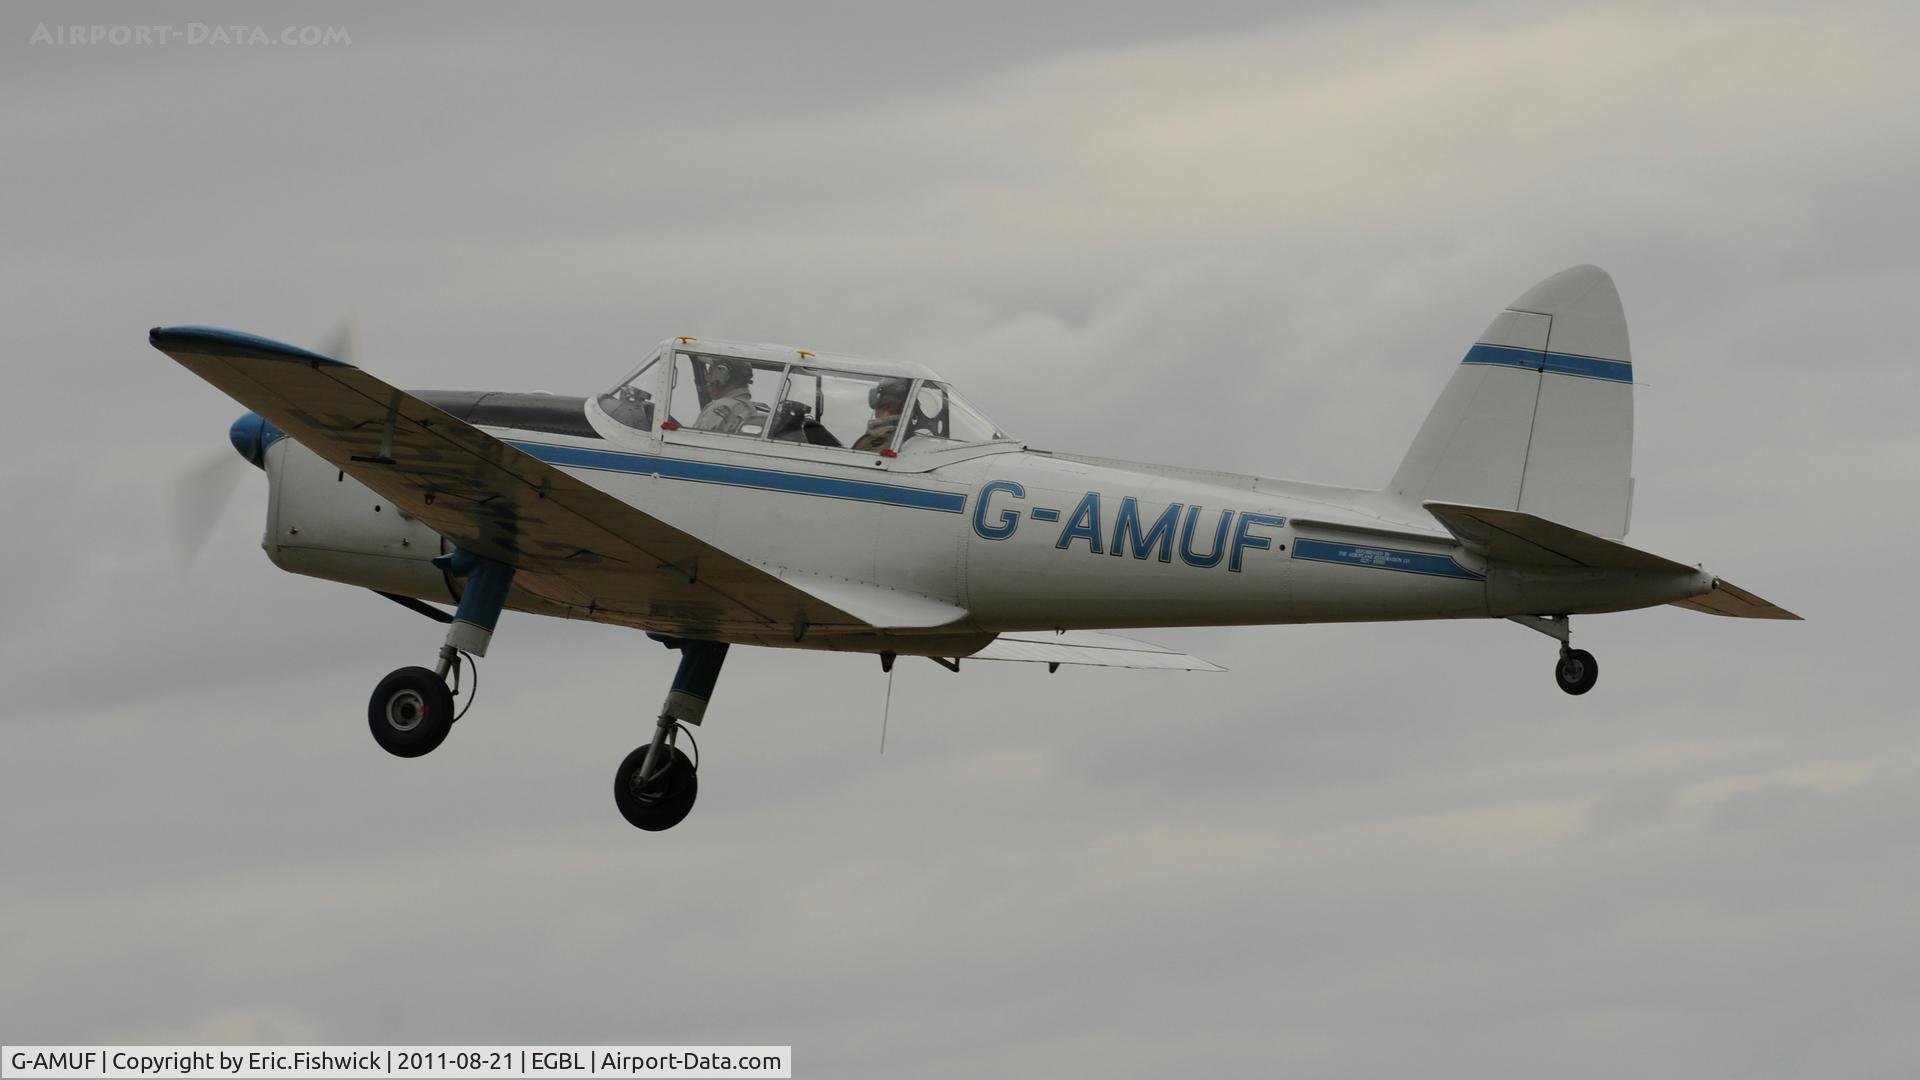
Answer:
[(791, 395)]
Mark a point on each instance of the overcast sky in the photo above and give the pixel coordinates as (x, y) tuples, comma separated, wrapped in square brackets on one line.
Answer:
[(1254, 238)]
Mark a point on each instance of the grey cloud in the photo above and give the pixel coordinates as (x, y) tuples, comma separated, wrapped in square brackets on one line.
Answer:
[(1239, 238)]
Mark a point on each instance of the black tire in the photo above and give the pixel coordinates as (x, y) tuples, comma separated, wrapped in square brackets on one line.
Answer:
[(1576, 671), (410, 712), (666, 802)]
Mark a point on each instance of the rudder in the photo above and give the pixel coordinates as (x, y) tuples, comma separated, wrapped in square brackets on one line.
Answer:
[(1539, 415)]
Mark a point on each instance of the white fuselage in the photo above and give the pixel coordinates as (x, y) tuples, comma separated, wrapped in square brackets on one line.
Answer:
[(1019, 539)]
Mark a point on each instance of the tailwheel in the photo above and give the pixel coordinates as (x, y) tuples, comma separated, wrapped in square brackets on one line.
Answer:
[(659, 800), (410, 712), (1576, 671)]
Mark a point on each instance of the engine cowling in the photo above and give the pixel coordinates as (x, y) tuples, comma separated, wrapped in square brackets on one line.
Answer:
[(325, 524)]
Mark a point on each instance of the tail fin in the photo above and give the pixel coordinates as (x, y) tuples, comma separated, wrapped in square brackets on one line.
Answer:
[(1539, 416)]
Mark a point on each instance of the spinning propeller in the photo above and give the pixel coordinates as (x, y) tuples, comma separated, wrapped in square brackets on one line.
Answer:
[(199, 494)]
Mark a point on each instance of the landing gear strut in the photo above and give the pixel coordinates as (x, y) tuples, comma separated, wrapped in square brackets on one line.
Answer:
[(1576, 670), (411, 710), (657, 783)]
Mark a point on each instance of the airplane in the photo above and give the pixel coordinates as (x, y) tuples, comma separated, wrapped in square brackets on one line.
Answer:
[(736, 494)]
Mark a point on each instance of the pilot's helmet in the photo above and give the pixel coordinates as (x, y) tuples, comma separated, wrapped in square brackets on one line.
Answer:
[(725, 373), (888, 390)]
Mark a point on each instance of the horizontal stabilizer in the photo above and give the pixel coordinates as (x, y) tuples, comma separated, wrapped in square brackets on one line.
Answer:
[(1523, 540), (1088, 648), (1735, 602), (1510, 536)]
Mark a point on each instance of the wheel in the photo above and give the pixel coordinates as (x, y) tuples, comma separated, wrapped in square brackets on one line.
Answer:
[(661, 805), (410, 712), (1577, 671)]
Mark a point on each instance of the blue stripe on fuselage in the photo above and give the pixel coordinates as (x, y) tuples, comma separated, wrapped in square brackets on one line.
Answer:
[(1410, 562), (738, 476), (1585, 367)]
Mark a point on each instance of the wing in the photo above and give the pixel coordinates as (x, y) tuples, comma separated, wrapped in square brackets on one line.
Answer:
[(568, 541), (1088, 648)]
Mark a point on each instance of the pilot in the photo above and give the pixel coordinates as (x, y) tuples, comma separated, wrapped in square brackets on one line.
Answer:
[(729, 396), (886, 398)]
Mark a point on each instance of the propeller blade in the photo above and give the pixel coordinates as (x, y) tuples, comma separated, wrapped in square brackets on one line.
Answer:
[(199, 498), (344, 343), (200, 493)]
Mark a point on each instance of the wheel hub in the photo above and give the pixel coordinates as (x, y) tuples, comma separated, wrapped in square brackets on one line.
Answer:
[(650, 789), (405, 710)]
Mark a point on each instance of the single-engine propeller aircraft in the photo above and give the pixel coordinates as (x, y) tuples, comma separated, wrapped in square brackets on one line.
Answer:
[(727, 494)]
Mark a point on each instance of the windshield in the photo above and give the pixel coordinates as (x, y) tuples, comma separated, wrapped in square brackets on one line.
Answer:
[(629, 403)]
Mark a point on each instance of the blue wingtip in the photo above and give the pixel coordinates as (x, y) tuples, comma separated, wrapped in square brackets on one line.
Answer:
[(218, 342)]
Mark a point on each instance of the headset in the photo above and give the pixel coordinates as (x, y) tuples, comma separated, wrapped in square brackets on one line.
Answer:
[(886, 388), (724, 371)]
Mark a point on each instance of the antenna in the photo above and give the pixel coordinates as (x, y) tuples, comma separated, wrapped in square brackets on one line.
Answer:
[(886, 711)]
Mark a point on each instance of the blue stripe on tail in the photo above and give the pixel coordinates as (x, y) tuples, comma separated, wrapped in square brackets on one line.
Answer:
[(1584, 367)]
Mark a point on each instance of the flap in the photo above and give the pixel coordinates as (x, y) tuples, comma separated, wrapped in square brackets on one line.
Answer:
[(875, 605)]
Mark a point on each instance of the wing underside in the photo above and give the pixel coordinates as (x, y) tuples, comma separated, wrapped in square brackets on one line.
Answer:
[(568, 541)]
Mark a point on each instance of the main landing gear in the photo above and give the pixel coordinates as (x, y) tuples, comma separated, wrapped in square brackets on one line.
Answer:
[(1576, 670), (657, 783), (411, 710)]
